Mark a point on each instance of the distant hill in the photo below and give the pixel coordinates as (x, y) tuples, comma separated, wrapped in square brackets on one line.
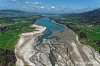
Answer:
[(90, 16), (14, 13)]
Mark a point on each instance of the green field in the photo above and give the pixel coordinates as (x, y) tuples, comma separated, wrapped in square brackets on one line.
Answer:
[(9, 35), (9, 38), (92, 34), (92, 31), (4, 21)]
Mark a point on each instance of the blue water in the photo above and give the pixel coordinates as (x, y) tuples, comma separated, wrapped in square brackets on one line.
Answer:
[(50, 27)]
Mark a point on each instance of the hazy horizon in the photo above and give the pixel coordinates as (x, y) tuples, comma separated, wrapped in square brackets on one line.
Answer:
[(50, 6)]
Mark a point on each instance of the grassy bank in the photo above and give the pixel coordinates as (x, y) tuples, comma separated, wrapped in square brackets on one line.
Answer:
[(9, 37), (10, 29)]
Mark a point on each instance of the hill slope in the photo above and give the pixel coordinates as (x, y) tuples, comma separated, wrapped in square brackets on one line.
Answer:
[(90, 16), (14, 13)]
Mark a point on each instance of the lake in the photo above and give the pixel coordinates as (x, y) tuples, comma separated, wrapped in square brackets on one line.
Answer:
[(50, 27)]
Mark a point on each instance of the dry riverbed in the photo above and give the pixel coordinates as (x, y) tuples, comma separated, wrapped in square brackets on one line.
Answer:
[(60, 49)]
